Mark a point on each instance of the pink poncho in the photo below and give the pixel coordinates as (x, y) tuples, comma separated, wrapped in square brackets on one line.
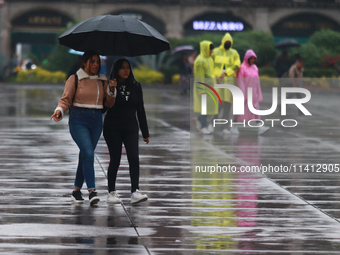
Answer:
[(249, 78)]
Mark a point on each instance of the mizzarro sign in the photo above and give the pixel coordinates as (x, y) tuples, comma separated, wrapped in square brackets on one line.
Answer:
[(217, 26), (239, 99)]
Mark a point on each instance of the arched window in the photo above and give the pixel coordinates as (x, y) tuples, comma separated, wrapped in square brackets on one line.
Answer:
[(303, 25)]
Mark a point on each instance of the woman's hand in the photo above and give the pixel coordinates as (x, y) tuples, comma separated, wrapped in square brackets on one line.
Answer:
[(112, 85), (56, 116), (146, 140)]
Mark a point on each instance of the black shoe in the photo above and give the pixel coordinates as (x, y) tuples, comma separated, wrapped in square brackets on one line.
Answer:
[(77, 197), (94, 199)]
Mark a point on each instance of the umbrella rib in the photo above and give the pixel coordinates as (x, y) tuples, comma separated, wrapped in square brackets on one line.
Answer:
[(146, 38), (153, 48), (126, 35), (106, 42)]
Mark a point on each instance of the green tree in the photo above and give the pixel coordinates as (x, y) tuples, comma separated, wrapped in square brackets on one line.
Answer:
[(327, 39), (60, 59), (310, 53), (262, 43)]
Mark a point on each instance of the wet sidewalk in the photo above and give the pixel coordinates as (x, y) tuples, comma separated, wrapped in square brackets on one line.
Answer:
[(188, 212)]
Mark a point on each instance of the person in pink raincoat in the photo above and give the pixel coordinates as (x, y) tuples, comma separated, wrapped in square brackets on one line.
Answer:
[(248, 75)]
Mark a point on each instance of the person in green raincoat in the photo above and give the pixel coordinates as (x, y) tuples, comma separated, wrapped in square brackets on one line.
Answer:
[(204, 73), (226, 63)]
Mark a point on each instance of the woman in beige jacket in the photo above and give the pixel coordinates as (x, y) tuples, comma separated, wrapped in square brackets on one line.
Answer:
[(86, 101)]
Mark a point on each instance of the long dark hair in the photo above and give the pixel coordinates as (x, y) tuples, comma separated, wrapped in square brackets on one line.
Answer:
[(88, 55), (117, 66)]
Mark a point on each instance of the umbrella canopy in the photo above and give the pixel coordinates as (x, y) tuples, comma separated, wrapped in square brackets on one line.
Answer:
[(115, 35), (287, 43), (184, 49)]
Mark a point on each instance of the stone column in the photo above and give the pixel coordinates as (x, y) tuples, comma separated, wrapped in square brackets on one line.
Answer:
[(5, 41), (262, 19), (173, 21)]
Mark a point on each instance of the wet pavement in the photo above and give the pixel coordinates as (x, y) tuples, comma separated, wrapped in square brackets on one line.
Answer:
[(188, 212)]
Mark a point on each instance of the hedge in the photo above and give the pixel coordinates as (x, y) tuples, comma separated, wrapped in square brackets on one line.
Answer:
[(39, 75), (146, 76), (175, 79)]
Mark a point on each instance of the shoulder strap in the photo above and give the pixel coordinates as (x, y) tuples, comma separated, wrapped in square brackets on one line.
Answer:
[(76, 81), (104, 99), (75, 85)]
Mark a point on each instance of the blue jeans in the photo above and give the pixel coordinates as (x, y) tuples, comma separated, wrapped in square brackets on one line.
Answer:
[(85, 127)]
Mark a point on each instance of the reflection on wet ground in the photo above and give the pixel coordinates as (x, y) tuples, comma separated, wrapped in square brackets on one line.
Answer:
[(188, 212)]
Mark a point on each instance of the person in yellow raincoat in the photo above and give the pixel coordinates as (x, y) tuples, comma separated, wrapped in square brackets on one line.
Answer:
[(226, 63), (204, 73)]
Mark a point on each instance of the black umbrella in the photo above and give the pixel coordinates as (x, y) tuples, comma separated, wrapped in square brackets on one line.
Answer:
[(180, 50), (287, 43), (115, 35)]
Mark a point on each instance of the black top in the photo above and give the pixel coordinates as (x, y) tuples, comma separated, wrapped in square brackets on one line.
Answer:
[(184, 68), (122, 116)]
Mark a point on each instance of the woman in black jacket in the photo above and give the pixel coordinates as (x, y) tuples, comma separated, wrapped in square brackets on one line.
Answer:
[(121, 126)]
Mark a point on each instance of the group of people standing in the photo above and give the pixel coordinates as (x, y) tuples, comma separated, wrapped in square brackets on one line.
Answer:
[(87, 95), (222, 65)]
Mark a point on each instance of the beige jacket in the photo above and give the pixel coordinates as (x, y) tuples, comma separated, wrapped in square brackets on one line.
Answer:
[(90, 93), (295, 76), (294, 72)]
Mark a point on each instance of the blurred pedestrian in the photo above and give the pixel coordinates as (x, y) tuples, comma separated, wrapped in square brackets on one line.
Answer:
[(185, 73), (191, 59), (204, 72), (283, 64), (296, 78), (248, 77), (296, 73), (84, 94), (121, 127), (226, 64)]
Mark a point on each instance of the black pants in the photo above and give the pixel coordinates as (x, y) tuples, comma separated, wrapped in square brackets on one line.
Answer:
[(114, 141), (226, 110), (226, 113), (203, 120)]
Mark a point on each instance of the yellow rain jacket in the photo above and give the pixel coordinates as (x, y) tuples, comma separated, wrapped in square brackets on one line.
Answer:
[(228, 59), (204, 72)]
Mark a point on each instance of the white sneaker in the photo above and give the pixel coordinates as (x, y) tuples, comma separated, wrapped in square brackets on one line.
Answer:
[(211, 128), (112, 198), (226, 131), (263, 129), (234, 130), (205, 131), (198, 124), (138, 197)]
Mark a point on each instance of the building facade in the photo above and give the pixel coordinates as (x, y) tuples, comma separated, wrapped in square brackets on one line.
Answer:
[(38, 23)]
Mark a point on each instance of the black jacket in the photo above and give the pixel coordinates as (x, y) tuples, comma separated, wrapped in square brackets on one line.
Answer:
[(122, 116)]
